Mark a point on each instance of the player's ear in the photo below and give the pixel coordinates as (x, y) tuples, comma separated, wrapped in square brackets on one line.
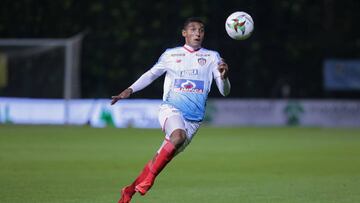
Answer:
[(183, 32)]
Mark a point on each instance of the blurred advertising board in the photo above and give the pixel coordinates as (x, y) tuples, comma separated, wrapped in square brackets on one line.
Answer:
[(137, 113), (324, 113), (143, 113), (95, 112)]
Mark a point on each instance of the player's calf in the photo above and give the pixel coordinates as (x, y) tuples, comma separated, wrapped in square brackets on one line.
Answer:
[(162, 159)]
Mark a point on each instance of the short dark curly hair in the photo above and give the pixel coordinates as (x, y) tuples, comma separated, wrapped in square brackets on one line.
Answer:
[(193, 19)]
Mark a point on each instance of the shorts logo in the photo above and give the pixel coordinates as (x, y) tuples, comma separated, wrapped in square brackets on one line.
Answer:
[(192, 86), (201, 61)]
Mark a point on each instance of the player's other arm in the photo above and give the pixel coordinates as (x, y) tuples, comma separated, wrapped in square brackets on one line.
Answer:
[(145, 80), (222, 81)]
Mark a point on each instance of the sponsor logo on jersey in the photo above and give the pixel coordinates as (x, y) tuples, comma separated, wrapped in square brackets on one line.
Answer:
[(202, 55), (191, 72), (192, 86), (179, 54), (201, 61)]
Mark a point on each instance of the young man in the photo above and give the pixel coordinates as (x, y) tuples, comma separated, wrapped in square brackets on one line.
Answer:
[(189, 70)]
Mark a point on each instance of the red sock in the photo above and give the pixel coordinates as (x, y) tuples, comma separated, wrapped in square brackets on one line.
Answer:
[(141, 177), (165, 155)]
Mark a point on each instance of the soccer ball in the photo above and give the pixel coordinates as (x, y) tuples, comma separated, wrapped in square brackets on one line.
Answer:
[(239, 25)]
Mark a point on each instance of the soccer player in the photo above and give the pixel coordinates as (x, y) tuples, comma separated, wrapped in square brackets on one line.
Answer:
[(189, 71)]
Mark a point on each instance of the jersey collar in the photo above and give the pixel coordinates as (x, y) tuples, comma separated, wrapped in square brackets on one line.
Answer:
[(190, 49)]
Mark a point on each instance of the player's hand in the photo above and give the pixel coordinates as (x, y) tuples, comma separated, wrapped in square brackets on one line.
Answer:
[(123, 95), (223, 69)]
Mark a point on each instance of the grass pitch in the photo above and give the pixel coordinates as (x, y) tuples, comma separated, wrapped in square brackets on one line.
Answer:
[(57, 164)]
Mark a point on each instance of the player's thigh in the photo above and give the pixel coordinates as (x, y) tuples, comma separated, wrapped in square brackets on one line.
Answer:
[(170, 120), (190, 128)]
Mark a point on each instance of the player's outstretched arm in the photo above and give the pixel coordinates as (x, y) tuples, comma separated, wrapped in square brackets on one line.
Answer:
[(146, 79), (123, 95)]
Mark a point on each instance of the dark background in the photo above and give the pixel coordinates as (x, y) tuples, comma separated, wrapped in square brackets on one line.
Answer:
[(124, 38)]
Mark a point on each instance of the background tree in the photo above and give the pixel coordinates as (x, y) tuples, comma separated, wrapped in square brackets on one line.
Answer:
[(125, 38)]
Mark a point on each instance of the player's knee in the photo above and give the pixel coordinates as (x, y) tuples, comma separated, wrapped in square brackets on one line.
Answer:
[(178, 137)]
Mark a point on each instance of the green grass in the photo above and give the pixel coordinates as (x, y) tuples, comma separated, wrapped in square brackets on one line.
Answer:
[(57, 164)]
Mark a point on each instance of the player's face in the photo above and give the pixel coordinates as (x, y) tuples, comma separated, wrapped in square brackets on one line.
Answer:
[(194, 34)]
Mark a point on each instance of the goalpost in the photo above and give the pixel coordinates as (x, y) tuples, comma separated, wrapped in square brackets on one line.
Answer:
[(41, 68)]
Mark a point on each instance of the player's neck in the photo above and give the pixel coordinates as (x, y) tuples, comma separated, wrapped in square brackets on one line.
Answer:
[(191, 49)]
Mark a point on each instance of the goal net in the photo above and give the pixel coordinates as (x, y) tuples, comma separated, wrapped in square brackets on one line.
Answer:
[(40, 68)]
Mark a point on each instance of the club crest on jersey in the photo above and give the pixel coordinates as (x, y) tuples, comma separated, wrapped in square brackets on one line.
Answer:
[(192, 86), (201, 61)]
